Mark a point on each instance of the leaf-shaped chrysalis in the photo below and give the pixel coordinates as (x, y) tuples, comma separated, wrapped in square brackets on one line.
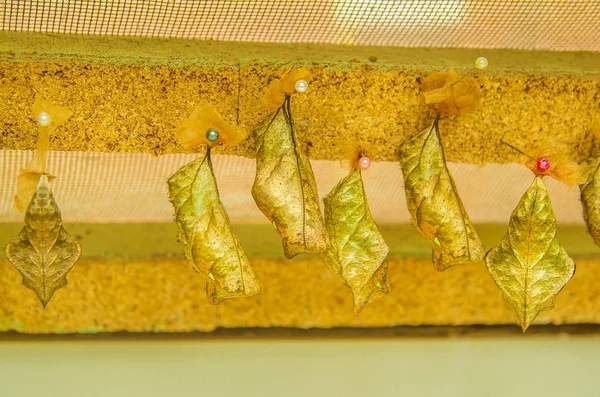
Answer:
[(206, 234), (590, 199), (530, 266), (284, 188), (433, 201), (43, 252), (358, 253), (205, 231), (590, 188)]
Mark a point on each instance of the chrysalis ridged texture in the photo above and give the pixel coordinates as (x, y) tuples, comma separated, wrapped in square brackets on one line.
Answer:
[(285, 189), (590, 199), (206, 234), (434, 204), (358, 253), (44, 253), (530, 266)]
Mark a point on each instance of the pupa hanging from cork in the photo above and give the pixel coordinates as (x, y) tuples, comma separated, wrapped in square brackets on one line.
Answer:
[(205, 231), (431, 195), (43, 252), (284, 188), (530, 266), (589, 187), (358, 253)]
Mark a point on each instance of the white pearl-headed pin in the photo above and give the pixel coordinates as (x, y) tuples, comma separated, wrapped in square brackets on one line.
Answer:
[(43, 119), (301, 86), (481, 63), (364, 163)]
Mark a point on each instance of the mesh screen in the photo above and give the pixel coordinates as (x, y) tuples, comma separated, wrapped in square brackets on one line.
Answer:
[(537, 25), (131, 187), (126, 187)]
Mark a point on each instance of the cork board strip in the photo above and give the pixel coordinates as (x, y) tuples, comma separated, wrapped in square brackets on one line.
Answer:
[(164, 295), (132, 100)]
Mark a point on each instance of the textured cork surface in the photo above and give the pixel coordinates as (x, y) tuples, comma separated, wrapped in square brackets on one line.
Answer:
[(134, 278), (164, 295), (130, 94)]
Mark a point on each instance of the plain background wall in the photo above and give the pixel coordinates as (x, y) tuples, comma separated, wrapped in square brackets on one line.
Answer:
[(483, 367)]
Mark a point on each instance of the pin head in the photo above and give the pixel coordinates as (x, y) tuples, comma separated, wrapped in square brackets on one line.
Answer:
[(212, 135), (43, 119), (542, 164), (364, 163), (481, 63), (301, 86)]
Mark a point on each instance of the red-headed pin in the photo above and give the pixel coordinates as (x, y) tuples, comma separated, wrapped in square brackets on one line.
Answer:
[(543, 164)]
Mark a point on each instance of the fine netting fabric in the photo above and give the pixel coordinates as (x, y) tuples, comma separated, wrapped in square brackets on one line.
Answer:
[(132, 187), (568, 25)]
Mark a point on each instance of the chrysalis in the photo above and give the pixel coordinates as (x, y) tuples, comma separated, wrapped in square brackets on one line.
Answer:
[(431, 195), (590, 188), (43, 252), (433, 201), (205, 231), (530, 266), (284, 188), (358, 253), (590, 199)]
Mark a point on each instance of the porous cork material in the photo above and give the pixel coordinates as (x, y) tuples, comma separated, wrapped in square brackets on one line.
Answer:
[(129, 95), (165, 295)]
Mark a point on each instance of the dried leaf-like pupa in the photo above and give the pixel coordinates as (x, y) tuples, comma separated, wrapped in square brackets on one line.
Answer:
[(206, 235), (358, 253), (284, 188), (433, 201), (43, 252), (590, 199), (530, 266)]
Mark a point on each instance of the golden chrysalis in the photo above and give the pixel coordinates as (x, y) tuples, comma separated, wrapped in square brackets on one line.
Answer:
[(590, 199), (590, 188), (358, 253), (530, 266), (284, 188), (205, 231), (43, 252), (433, 201), (206, 234)]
